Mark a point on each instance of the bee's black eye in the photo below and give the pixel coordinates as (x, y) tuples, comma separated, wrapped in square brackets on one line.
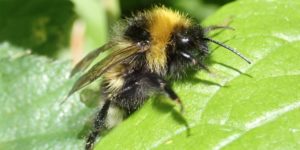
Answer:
[(185, 40)]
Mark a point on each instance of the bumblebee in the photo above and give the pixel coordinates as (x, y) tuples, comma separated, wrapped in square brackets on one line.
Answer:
[(155, 48)]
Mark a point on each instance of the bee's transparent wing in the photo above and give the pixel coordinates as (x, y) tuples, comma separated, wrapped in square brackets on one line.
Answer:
[(101, 67), (88, 59)]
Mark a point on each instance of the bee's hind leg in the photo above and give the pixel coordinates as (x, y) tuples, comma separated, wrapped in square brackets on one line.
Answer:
[(99, 124)]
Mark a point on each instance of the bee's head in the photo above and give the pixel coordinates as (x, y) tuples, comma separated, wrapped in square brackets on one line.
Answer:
[(187, 49), (189, 45), (190, 39)]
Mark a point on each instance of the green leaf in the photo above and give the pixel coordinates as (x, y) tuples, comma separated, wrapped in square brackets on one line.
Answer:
[(41, 25), (31, 116), (237, 106)]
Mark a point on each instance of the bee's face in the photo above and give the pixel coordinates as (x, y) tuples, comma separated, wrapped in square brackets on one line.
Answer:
[(189, 41), (187, 49)]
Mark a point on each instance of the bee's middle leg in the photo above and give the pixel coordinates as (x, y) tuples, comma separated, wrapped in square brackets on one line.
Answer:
[(139, 88)]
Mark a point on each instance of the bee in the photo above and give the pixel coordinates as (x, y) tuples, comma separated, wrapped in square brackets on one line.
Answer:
[(155, 47)]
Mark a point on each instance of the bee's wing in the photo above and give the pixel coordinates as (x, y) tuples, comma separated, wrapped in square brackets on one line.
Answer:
[(98, 69), (88, 59)]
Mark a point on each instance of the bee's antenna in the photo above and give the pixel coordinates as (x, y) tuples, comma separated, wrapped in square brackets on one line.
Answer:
[(229, 48)]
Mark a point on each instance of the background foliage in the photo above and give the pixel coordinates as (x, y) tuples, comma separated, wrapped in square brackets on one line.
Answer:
[(237, 106), (41, 25)]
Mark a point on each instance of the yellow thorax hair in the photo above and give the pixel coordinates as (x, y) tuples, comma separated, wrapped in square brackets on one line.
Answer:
[(162, 22)]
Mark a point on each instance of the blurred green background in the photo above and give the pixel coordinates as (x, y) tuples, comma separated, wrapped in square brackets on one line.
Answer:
[(71, 28)]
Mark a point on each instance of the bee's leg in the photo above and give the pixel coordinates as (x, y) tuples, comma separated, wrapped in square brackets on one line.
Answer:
[(138, 89), (224, 25), (98, 125), (165, 88), (216, 27)]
